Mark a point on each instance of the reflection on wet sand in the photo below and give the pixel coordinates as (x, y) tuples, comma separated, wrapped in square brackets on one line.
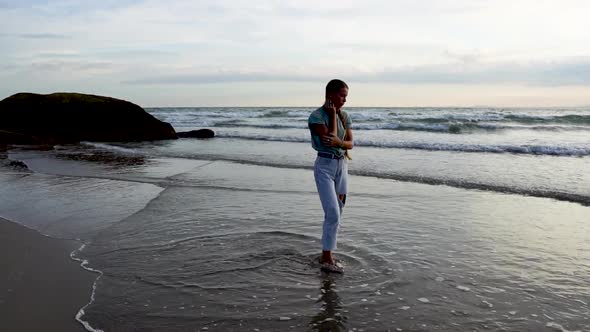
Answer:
[(329, 318)]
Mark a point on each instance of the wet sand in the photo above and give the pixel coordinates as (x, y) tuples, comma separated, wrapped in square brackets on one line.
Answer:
[(187, 244), (41, 288)]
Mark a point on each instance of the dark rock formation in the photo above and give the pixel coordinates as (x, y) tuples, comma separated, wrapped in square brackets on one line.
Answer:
[(17, 164), (15, 138), (27, 118), (201, 133)]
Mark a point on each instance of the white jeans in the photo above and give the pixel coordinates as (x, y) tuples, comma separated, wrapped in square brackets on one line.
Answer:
[(331, 179)]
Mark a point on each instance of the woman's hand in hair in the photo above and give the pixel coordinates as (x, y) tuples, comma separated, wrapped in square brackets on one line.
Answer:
[(329, 107)]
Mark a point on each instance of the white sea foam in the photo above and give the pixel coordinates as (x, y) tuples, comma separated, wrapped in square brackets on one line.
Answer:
[(559, 328), (434, 116), (553, 150), (463, 288), (110, 147), (81, 312)]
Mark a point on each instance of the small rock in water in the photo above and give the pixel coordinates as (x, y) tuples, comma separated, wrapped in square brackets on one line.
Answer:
[(423, 300)]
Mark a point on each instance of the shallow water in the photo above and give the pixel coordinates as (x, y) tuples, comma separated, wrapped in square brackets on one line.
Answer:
[(233, 246), (457, 220), (561, 178)]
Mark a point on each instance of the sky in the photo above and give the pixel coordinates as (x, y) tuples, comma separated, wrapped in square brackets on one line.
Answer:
[(523, 53)]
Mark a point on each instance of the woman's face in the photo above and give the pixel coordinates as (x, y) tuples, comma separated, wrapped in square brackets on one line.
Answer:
[(338, 98)]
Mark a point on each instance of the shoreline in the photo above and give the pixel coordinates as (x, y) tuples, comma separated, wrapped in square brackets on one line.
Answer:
[(42, 286)]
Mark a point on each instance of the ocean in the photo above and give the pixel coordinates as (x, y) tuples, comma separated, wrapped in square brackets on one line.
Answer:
[(457, 219)]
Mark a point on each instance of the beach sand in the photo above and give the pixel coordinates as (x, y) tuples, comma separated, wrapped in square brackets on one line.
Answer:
[(41, 288)]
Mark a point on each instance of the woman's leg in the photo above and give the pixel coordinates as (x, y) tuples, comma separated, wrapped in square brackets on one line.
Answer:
[(324, 172), (341, 183), (341, 188)]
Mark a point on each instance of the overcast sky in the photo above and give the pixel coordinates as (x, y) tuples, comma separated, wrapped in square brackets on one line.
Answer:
[(282, 53)]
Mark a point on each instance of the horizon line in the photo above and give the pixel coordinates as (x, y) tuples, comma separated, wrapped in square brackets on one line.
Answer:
[(315, 106)]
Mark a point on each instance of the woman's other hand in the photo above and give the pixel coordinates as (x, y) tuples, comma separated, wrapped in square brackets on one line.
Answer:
[(331, 140)]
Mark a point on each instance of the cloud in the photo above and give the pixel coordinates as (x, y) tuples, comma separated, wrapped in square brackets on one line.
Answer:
[(8, 67), (42, 36), (72, 68), (149, 44), (227, 77), (572, 72), (69, 6), (557, 73)]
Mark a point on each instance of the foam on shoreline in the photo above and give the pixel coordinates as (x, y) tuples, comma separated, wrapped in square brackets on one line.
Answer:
[(81, 312)]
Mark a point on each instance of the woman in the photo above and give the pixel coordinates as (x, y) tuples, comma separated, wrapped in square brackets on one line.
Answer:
[(331, 137)]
